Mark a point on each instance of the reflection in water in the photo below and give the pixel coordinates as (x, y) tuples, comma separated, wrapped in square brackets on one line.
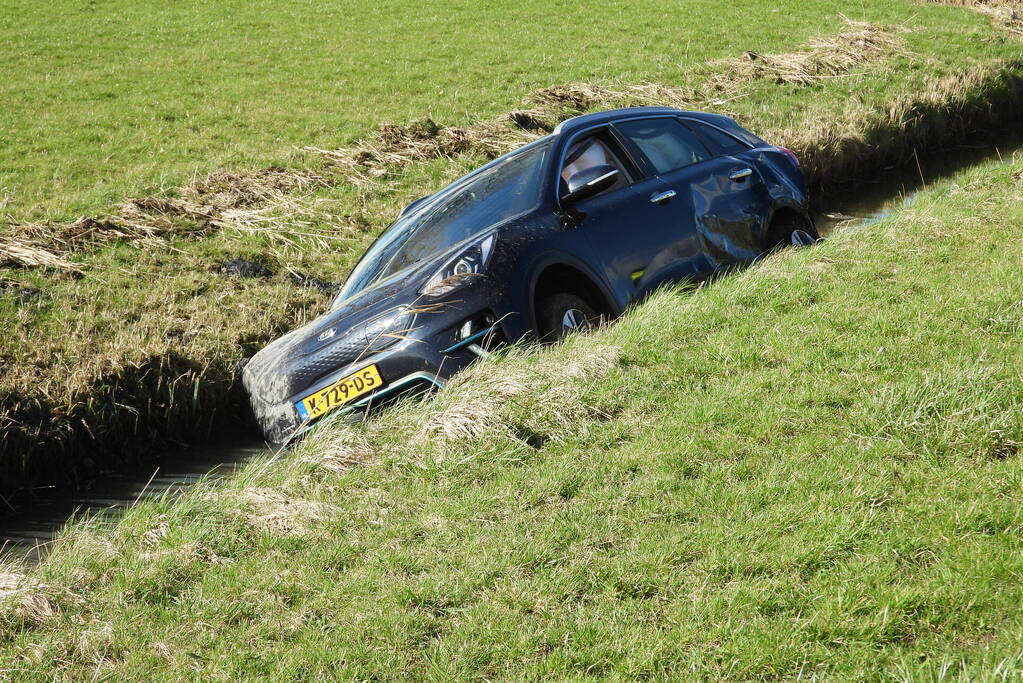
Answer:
[(875, 198), (27, 534)]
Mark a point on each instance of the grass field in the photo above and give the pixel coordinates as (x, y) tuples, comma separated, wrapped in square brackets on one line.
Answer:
[(114, 100), (810, 468), (106, 100)]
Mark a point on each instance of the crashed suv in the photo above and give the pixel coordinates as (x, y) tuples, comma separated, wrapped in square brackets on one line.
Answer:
[(540, 242)]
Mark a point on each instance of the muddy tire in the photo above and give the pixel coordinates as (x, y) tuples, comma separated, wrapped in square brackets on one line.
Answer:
[(560, 315)]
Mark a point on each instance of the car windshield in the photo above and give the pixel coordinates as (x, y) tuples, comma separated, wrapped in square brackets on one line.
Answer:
[(499, 191)]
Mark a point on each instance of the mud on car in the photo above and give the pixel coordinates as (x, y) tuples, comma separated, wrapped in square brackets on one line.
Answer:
[(537, 243)]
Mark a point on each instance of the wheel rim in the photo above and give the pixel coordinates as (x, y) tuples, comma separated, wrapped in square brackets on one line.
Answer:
[(573, 320), (801, 238)]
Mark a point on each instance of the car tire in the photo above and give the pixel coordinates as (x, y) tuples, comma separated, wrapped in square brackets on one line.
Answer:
[(794, 231), (560, 315)]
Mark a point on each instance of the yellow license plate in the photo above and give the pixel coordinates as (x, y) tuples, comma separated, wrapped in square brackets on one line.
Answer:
[(345, 390)]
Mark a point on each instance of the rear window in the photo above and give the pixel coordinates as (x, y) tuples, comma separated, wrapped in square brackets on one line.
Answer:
[(717, 140)]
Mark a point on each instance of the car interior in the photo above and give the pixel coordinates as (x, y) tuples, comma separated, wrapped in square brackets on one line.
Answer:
[(665, 142)]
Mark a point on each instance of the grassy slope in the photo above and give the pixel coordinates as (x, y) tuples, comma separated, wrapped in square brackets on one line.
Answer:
[(148, 341), (119, 98), (810, 467)]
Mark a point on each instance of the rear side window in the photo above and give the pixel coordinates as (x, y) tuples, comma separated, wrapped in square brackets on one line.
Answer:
[(665, 142), (718, 141)]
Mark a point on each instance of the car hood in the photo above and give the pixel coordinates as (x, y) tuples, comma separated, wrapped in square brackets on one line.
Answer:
[(295, 362)]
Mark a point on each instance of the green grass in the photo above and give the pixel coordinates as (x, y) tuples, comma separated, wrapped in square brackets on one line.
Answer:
[(147, 343), (105, 100), (809, 468)]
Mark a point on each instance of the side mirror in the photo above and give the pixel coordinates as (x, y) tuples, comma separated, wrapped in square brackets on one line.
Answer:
[(590, 182)]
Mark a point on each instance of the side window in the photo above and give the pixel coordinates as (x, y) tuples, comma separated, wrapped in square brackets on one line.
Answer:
[(718, 141), (592, 151), (665, 142)]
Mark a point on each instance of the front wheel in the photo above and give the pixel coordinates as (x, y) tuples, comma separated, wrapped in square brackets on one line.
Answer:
[(560, 315)]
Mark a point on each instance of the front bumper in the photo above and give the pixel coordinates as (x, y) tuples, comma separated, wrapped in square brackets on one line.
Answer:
[(422, 360), (417, 381)]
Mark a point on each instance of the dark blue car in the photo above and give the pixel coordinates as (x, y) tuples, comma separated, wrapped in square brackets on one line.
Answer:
[(542, 241)]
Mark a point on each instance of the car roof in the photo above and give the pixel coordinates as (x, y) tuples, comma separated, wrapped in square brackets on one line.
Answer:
[(587, 120), (570, 126)]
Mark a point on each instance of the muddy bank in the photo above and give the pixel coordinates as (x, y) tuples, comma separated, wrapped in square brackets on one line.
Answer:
[(133, 413)]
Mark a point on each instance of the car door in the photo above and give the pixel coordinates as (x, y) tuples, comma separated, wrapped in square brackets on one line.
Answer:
[(623, 228), (717, 207), (737, 200)]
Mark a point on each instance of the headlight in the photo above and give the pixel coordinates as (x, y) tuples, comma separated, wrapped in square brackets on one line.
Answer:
[(460, 270)]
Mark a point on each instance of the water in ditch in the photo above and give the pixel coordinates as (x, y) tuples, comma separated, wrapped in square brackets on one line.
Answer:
[(25, 534), (874, 198)]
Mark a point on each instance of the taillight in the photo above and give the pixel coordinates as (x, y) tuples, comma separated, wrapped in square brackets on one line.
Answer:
[(789, 153)]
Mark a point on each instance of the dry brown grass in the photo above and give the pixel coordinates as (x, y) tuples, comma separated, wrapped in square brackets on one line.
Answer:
[(394, 146), (36, 608), (823, 57), (543, 398), (19, 253), (276, 511), (155, 535), (221, 200), (11, 582), (26, 600), (399, 145), (340, 450), (93, 645), (1006, 14), (482, 395)]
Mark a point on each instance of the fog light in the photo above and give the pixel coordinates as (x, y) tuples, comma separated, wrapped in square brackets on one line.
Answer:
[(477, 334)]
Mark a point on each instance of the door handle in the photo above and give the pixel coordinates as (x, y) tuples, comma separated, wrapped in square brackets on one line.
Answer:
[(661, 197), (740, 174)]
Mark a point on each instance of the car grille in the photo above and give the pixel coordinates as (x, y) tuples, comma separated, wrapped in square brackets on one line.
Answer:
[(298, 360), (348, 347)]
